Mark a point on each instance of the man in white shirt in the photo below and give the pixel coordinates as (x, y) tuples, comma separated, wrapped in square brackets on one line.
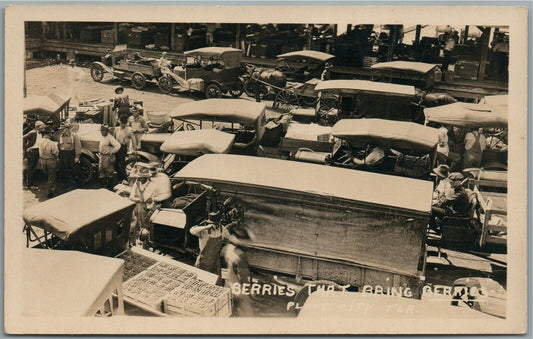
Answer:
[(109, 146), (475, 144), (210, 234)]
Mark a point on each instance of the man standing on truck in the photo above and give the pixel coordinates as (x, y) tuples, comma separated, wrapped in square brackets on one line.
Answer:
[(121, 102)]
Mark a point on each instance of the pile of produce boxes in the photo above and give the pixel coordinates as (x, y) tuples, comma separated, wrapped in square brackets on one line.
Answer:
[(196, 298), (172, 290)]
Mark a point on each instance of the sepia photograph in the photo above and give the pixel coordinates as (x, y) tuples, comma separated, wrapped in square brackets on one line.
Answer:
[(347, 172)]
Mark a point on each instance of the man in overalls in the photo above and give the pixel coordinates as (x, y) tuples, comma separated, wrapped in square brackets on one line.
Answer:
[(138, 126), (49, 155), (69, 154), (475, 144)]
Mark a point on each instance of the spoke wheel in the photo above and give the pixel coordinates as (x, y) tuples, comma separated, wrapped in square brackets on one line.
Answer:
[(138, 80), (86, 170), (97, 72), (165, 84), (286, 101), (213, 91), (236, 91)]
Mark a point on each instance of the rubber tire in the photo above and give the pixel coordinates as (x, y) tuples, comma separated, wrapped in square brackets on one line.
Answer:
[(165, 84), (138, 80), (237, 90), (97, 72), (213, 89), (86, 170), (249, 88)]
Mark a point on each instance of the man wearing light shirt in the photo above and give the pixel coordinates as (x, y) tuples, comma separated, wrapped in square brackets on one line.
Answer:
[(109, 146), (475, 144)]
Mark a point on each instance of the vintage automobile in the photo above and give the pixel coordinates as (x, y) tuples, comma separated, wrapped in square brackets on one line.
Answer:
[(51, 109), (245, 119), (138, 70), (491, 115), (301, 66), (212, 70), (173, 151), (419, 74), (101, 224), (410, 148), (341, 99), (305, 228)]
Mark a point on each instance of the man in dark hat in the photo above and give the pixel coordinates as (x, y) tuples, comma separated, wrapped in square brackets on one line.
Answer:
[(49, 156), (121, 102)]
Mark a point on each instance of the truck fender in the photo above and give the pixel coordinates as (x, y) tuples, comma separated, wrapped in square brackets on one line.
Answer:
[(104, 66), (89, 154)]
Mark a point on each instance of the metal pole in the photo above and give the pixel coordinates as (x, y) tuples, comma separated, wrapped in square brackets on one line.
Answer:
[(115, 33)]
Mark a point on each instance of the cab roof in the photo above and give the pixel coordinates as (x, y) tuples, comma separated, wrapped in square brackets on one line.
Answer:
[(198, 142), (316, 179), (235, 110), (47, 104), (418, 67), (56, 215), (308, 54), (390, 133), (469, 115), (212, 51), (364, 86)]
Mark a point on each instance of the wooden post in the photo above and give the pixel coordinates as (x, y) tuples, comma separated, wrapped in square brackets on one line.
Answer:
[(65, 31), (465, 38), (335, 30), (417, 41), (484, 52), (172, 36), (238, 36), (43, 30), (115, 33)]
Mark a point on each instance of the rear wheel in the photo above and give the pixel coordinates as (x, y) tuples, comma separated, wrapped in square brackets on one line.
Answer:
[(249, 88), (165, 84), (138, 80), (236, 91), (86, 170), (213, 91), (97, 72), (286, 101)]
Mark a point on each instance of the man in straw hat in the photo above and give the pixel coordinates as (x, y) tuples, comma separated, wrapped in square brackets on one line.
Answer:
[(444, 186)]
